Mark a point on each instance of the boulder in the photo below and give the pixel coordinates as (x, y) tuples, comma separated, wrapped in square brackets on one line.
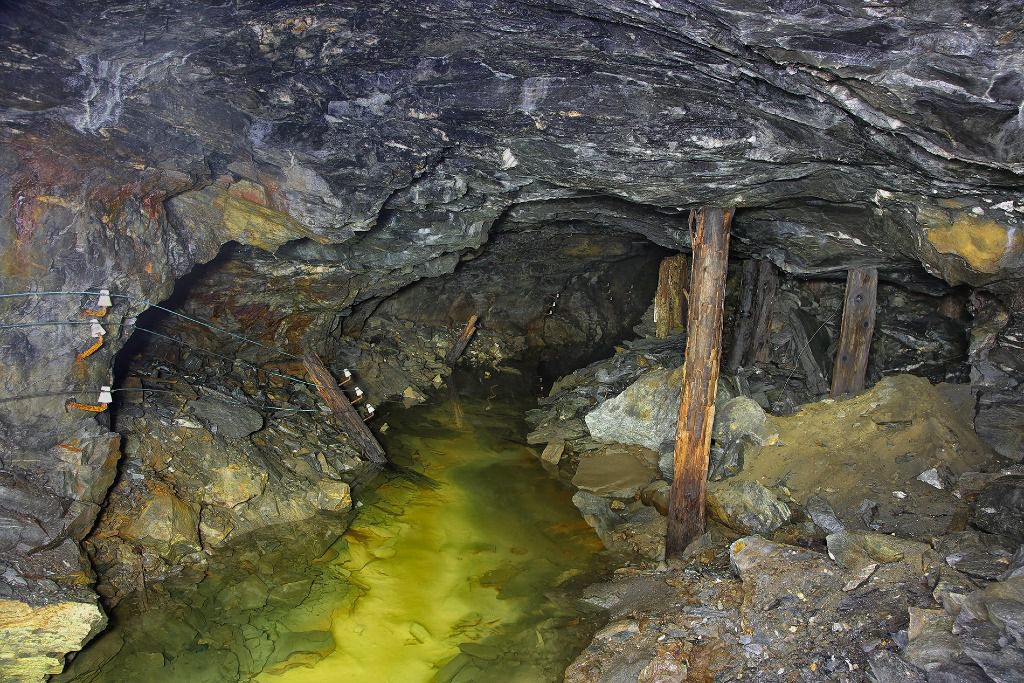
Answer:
[(165, 523), (1000, 422), (999, 508), (644, 414), (35, 638), (228, 419), (742, 418), (746, 506), (234, 483)]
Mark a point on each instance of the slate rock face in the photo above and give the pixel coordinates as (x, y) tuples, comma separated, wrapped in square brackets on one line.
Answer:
[(999, 508), (137, 139)]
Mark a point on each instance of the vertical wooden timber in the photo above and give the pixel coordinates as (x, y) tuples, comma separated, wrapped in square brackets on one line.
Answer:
[(764, 303), (670, 298), (744, 316), (700, 377), (855, 333), (347, 417)]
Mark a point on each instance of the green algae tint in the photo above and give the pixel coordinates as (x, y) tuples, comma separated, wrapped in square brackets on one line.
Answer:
[(473, 580)]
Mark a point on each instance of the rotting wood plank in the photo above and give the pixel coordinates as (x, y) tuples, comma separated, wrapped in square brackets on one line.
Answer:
[(764, 304), (700, 377), (744, 316), (462, 341), (670, 297), (855, 332), (345, 415)]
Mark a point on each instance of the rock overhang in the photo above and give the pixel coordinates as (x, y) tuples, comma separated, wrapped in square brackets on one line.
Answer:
[(838, 130)]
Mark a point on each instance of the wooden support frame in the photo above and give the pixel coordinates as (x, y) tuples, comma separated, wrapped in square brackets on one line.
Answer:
[(848, 374), (670, 297), (700, 377), (345, 415), (764, 305), (744, 316)]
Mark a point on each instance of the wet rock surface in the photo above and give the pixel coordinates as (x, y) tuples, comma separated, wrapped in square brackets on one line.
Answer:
[(209, 457), (844, 582), (343, 152)]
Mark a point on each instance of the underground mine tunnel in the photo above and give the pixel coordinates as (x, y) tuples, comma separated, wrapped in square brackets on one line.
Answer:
[(511, 341)]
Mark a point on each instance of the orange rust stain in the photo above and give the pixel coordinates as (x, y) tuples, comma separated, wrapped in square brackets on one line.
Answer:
[(69, 447), (87, 407), (153, 205), (148, 267), (91, 350)]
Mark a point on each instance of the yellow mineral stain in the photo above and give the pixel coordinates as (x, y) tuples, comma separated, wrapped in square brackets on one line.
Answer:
[(259, 226), (461, 565), (982, 243)]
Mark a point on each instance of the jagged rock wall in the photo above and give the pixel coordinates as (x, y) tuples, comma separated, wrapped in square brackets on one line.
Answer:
[(379, 143)]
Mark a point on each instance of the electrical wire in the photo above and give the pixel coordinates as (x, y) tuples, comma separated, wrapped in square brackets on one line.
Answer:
[(217, 395), (45, 323), (149, 304)]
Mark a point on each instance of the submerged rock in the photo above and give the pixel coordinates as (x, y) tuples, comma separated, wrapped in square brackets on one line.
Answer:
[(616, 471), (746, 506)]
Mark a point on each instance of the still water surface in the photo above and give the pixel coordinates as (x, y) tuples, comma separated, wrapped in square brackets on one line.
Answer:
[(473, 580)]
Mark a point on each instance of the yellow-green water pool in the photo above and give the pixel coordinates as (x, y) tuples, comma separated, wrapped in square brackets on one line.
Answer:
[(473, 580)]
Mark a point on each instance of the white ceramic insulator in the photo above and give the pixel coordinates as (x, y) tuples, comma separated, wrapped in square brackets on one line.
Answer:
[(104, 300), (105, 396), (95, 328)]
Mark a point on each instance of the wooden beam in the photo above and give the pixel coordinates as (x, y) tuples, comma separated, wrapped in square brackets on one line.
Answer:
[(462, 341), (744, 316), (700, 377), (764, 304), (345, 415), (855, 333), (670, 298)]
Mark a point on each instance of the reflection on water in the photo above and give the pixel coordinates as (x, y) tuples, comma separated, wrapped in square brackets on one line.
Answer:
[(469, 581)]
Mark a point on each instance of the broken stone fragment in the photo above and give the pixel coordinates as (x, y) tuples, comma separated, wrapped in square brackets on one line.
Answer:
[(822, 514), (746, 506), (937, 477), (552, 453), (331, 495), (888, 667), (856, 550), (230, 420)]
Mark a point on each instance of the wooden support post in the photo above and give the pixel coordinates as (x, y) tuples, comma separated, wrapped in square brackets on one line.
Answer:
[(764, 303), (700, 377), (855, 333), (462, 341), (345, 415), (744, 316), (670, 298)]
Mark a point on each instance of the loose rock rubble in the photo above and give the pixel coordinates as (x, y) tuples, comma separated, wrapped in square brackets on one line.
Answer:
[(871, 539), (212, 453)]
